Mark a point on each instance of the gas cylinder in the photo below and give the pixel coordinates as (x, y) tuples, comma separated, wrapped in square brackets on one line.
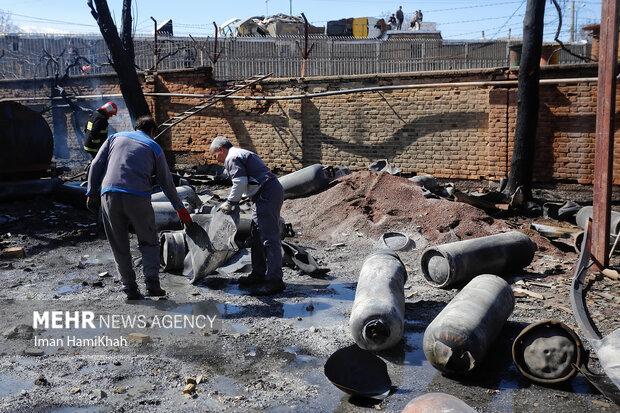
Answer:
[(304, 181), (459, 337), (378, 313), (437, 402), (459, 262), (172, 251), (586, 212)]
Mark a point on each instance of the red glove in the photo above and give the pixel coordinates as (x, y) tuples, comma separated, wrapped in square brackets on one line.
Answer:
[(93, 203), (184, 216)]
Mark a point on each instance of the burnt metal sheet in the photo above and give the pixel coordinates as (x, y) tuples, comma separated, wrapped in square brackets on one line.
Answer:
[(211, 242), (383, 165), (607, 348), (358, 372), (297, 256), (553, 232)]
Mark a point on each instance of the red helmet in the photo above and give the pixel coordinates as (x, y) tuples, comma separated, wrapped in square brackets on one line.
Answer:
[(109, 108)]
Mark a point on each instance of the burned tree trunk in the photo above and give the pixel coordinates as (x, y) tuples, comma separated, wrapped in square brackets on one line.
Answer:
[(522, 163), (122, 52)]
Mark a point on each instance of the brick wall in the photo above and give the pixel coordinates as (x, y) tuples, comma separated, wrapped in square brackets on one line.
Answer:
[(566, 138), (458, 132), (271, 129)]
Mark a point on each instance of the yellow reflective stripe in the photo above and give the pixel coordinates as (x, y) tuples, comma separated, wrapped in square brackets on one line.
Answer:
[(89, 125), (104, 130), (96, 140), (86, 148)]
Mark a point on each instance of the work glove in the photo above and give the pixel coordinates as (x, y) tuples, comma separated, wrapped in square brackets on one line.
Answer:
[(227, 208), (93, 202), (184, 216)]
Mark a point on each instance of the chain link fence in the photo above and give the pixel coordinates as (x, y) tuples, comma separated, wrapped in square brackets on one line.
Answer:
[(34, 56)]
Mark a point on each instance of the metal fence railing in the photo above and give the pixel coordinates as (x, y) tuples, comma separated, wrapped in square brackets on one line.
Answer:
[(33, 56)]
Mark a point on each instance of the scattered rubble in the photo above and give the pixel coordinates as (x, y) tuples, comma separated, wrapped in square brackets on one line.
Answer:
[(13, 252), (139, 338), (41, 381), (99, 394), (269, 354)]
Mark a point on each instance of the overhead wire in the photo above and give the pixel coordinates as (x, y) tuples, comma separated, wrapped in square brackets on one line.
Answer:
[(515, 25), (41, 19), (557, 34), (471, 6), (551, 19), (482, 19), (509, 18)]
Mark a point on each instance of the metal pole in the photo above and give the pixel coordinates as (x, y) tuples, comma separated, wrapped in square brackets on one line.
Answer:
[(491, 83), (580, 6), (572, 21), (290, 8), (605, 117), (508, 48), (155, 55), (305, 52)]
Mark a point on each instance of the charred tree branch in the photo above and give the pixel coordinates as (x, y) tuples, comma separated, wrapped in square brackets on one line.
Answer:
[(557, 35), (122, 55), (126, 38)]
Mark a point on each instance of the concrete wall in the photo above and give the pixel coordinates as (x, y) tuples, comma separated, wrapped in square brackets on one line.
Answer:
[(450, 131)]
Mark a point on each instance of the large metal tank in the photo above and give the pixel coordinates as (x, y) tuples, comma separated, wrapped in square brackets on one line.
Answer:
[(26, 140)]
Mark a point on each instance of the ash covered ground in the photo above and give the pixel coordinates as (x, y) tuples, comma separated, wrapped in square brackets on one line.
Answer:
[(268, 353)]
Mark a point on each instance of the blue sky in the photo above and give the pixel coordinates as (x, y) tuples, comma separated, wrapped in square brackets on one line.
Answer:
[(456, 19)]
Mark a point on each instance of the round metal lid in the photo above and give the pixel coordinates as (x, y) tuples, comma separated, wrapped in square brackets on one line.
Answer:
[(396, 241), (546, 352)]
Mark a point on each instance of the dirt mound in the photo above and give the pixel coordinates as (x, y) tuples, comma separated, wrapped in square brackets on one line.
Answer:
[(373, 204)]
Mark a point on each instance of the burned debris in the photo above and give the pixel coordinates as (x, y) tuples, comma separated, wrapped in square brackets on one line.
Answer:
[(389, 306), (396, 285)]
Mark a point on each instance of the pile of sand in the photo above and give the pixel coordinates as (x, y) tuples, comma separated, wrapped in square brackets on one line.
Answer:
[(373, 204)]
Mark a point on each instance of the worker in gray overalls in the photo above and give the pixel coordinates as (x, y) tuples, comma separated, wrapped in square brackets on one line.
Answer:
[(251, 177)]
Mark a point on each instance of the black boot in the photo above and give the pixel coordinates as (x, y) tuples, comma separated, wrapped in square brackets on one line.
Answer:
[(251, 279), (268, 287), (155, 292), (133, 294)]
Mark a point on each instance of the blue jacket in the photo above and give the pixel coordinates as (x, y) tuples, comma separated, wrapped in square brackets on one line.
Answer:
[(125, 163)]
